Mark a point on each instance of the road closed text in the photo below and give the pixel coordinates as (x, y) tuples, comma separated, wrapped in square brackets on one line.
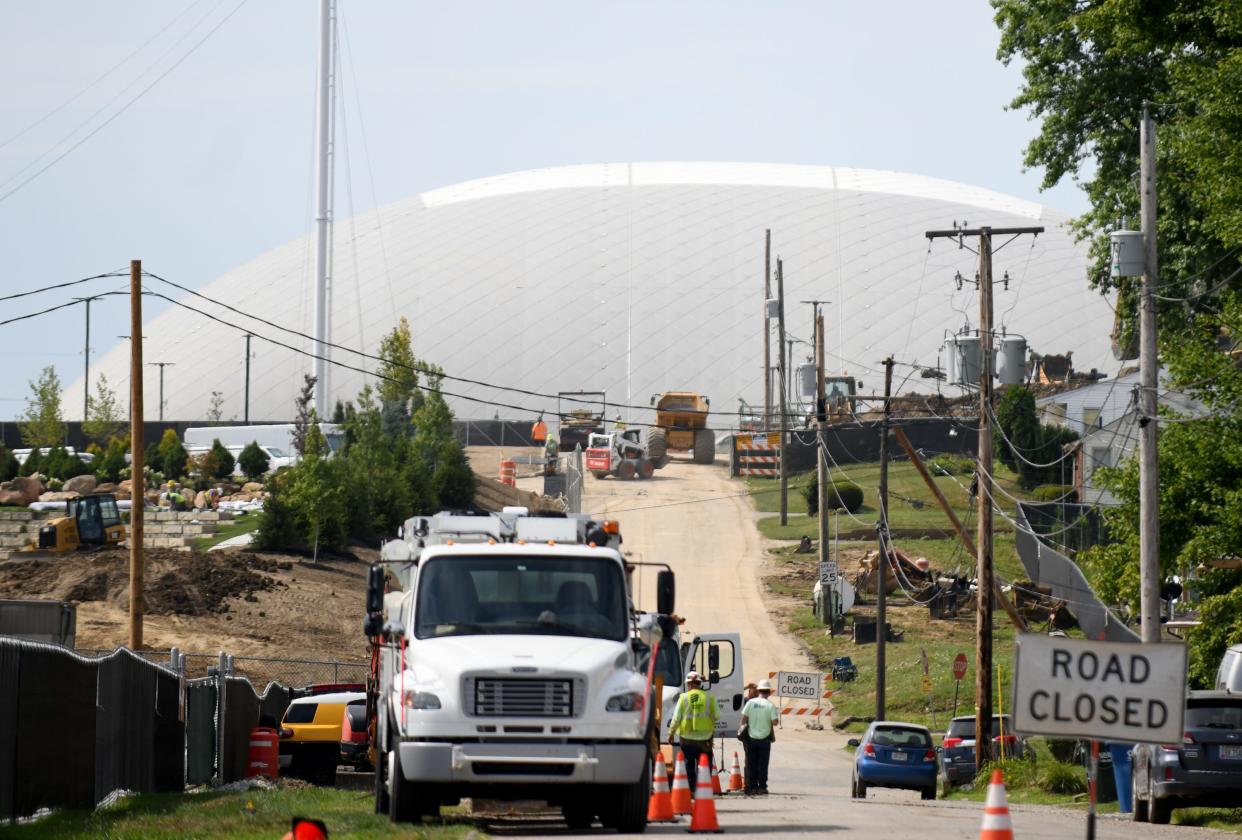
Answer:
[(1105, 690)]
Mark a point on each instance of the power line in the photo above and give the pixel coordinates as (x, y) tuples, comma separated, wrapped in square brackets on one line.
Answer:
[(17, 295)]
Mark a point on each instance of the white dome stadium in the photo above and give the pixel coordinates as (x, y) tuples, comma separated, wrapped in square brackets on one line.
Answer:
[(629, 279)]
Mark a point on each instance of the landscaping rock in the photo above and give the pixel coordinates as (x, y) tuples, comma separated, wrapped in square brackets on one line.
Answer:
[(30, 487), (59, 496), (12, 497), (80, 484), (201, 501), (106, 487), (125, 488), (252, 487)]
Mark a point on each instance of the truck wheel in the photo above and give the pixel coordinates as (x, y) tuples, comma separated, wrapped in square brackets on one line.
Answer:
[(1138, 811), (657, 447), (627, 470), (1158, 810), (704, 446), (322, 769), (632, 803), (381, 782), (646, 469), (401, 803)]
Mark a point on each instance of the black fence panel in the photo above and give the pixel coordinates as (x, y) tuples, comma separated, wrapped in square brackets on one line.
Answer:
[(200, 732), (124, 737), (494, 432), (272, 704), (168, 737), (853, 443), (55, 744), (10, 661)]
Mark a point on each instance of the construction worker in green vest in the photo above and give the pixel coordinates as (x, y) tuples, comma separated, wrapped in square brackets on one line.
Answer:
[(694, 720)]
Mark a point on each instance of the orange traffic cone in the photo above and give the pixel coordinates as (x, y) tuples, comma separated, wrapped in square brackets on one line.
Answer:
[(715, 784), (736, 782), (660, 808), (681, 786), (704, 817), (996, 823)]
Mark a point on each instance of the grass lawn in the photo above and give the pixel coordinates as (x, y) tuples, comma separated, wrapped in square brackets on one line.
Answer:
[(227, 530), (347, 813)]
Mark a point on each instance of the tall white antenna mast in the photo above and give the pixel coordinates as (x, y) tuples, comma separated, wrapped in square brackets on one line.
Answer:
[(323, 188)]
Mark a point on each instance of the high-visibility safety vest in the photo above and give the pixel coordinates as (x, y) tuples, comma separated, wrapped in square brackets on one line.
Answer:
[(695, 715), (539, 431)]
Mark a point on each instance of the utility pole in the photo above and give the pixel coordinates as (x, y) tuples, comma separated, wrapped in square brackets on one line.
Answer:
[(780, 309), (86, 354), (821, 462), (881, 587), (1149, 467), (161, 366), (767, 331), (246, 409), (138, 494), (985, 582)]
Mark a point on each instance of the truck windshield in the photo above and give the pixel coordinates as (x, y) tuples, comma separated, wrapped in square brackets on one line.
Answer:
[(569, 596)]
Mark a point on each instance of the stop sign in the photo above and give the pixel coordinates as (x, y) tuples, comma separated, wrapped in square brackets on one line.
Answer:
[(959, 666)]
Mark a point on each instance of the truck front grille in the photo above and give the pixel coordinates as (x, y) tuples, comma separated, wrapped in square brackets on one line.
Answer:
[(523, 697)]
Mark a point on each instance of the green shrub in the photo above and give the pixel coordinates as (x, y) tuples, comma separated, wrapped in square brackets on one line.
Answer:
[(110, 464), (58, 463), (9, 465), (33, 463), (219, 462), (171, 455), (253, 461), (1062, 749), (1061, 777), (945, 464), (1055, 493), (810, 494), (278, 526), (453, 481), (843, 494)]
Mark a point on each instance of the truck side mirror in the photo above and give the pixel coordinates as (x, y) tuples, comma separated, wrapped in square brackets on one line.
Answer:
[(714, 677), (394, 630), (375, 589), (713, 660), (666, 592), (737, 702)]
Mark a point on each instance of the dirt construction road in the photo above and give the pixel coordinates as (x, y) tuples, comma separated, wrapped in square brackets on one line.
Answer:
[(694, 518)]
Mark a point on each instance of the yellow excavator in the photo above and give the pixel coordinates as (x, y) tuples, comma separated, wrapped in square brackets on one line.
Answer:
[(92, 521)]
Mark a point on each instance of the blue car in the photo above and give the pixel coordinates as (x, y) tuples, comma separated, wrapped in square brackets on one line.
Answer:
[(894, 755)]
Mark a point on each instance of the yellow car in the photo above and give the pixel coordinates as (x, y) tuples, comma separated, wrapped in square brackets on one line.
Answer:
[(310, 735)]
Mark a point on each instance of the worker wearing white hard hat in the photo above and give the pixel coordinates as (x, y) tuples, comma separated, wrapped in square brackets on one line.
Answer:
[(694, 721), (760, 717)]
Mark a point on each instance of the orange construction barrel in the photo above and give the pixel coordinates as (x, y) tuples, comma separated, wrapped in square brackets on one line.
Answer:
[(508, 472), (264, 756)]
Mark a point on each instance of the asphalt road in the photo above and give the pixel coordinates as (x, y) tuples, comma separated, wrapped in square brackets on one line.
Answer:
[(694, 518)]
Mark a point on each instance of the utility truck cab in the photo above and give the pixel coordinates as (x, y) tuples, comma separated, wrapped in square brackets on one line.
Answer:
[(509, 669)]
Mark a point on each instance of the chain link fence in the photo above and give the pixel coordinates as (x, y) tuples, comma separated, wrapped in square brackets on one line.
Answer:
[(261, 670)]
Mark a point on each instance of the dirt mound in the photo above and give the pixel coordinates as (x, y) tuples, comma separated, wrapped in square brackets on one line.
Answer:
[(177, 583)]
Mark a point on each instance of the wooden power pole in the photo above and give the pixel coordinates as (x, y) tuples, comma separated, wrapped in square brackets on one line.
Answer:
[(780, 310), (1149, 466), (881, 586), (767, 331), (985, 583), (138, 494)]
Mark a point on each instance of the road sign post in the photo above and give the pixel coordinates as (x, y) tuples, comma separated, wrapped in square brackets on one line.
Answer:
[(1111, 691), (959, 671)]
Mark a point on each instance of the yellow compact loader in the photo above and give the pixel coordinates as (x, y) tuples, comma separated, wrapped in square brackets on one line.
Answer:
[(89, 522), (681, 420)]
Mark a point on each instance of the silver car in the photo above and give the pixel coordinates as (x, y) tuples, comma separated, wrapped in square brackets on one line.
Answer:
[(1204, 770)]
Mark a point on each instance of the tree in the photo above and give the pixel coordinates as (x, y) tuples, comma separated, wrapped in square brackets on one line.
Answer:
[(398, 370), (219, 462), (303, 412), (171, 456), (109, 465), (42, 424), (103, 416), (216, 413), (1024, 444), (253, 461), (1088, 68), (10, 468), (453, 480), (316, 495)]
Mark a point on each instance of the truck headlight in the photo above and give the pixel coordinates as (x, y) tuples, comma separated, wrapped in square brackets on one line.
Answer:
[(420, 700), (631, 701)]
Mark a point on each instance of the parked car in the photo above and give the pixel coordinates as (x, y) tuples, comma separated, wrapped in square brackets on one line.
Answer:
[(892, 754), (310, 734), (355, 737), (1204, 770), (957, 750), (1229, 674)]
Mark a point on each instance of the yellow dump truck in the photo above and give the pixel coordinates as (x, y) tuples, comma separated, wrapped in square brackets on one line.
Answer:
[(681, 426)]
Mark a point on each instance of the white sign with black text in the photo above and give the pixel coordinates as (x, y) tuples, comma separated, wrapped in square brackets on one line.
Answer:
[(803, 686), (1110, 691)]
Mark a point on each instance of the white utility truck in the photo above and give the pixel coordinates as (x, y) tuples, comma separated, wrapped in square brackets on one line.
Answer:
[(510, 668)]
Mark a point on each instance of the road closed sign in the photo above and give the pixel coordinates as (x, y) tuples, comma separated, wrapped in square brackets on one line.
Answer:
[(1110, 691), (793, 684)]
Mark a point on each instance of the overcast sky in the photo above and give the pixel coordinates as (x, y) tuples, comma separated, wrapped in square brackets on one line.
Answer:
[(213, 165)]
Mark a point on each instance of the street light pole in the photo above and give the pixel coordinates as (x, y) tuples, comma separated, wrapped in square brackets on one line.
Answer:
[(161, 366)]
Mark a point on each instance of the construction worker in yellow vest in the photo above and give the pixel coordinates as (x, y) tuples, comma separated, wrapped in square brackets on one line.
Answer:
[(694, 721)]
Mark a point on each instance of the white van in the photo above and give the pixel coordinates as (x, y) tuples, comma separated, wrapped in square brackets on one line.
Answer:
[(276, 458), (1229, 674)]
